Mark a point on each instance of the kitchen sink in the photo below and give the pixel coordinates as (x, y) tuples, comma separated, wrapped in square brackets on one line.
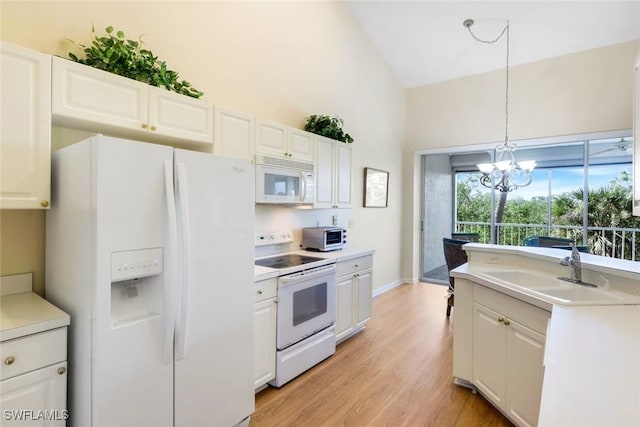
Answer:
[(524, 278), (555, 289), (579, 293)]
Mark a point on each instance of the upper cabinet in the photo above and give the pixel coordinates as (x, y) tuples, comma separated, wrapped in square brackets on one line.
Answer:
[(25, 128), (234, 133), (333, 173), (636, 137), (282, 141), (85, 97)]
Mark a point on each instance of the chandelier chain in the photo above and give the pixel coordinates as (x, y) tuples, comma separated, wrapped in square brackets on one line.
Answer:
[(504, 31)]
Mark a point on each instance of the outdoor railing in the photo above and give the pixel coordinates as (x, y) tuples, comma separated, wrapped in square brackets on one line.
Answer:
[(622, 243)]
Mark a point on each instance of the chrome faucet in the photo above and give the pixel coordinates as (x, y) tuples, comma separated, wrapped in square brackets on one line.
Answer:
[(574, 262)]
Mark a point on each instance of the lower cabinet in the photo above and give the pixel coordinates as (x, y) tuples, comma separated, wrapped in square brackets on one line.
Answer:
[(264, 362), (354, 288), (508, 339), (33, 389)]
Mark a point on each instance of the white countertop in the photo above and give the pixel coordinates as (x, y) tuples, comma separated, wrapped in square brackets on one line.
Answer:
[(345, 254), (27, 313)]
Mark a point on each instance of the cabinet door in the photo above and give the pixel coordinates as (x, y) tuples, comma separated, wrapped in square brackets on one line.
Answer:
[(179, 116), (234, 133), (489, 354), (301, 145), (324, 173), (264, 355), (344, 311), (342, 175), (271, 138), (35, 398), (25, 128), (89, 97), (524, 359), (364, 284)]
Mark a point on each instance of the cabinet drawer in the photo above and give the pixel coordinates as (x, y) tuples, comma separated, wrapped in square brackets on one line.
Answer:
[(265, 289), (32, 352), (351, 266), (520, 311)]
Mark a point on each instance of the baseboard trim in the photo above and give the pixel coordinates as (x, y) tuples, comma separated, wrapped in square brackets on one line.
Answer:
[(387, 288)]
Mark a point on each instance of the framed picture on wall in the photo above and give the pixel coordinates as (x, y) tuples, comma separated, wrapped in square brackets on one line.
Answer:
[(376, 188)]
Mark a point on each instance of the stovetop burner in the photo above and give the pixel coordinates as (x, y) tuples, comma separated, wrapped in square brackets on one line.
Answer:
[(285, 261)]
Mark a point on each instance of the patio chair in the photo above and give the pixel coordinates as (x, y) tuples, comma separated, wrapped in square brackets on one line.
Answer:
[(553, 242), (455, 256), (469, 237)]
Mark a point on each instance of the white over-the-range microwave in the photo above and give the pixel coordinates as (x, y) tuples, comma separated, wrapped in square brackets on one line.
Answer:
[(282, 181)]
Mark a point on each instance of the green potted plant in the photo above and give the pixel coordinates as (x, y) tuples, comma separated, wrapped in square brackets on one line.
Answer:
[(118, 55), (329, 126)]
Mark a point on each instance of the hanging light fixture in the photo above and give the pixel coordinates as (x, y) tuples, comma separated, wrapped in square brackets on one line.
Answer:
[(505, 174)]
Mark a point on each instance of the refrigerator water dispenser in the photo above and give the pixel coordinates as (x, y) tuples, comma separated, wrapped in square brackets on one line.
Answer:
[(136, 286)]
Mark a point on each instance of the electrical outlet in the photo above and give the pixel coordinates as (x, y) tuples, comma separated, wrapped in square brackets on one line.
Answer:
[(334, 219)]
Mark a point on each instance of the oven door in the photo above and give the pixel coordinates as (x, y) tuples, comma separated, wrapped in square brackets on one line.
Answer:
[(306, 304)]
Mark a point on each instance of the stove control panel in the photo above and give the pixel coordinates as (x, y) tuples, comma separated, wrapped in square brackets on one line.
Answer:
[(273, 237)]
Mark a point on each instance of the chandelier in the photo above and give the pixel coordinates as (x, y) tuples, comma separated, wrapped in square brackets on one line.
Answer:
[(505, 174)]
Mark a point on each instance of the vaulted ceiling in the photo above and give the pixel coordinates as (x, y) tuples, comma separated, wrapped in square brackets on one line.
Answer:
[(425, 41)]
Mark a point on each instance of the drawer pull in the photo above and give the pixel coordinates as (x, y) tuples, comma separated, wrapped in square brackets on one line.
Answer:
[(259, 291), (506, 322), (501, 319), (9, 360), (62, 370), (356, 265)]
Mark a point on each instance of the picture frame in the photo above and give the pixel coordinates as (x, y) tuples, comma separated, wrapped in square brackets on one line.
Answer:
[(376, 188)]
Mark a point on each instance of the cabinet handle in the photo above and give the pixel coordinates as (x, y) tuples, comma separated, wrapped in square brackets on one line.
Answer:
[(144, 126), (259, 291), (44, 204), (153, 128), (62, 370), (356, 265), (9, 360), (506, 322), (501, 319)]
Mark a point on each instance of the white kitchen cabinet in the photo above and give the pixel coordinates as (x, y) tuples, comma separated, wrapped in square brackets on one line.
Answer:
[(234, 133), (333, 173), (507, 351), (87, 98), (265, 332), (33, 350), (282, 141), (25, 128), (354, 295), (636, 137)]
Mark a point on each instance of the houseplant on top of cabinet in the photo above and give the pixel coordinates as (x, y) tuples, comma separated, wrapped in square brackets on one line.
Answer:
[(328, 126), (117, 55)]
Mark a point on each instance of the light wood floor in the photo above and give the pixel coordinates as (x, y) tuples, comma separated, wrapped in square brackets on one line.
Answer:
[(397, 372)]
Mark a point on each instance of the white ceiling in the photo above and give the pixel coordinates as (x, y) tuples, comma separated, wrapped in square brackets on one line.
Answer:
[(425, 42)]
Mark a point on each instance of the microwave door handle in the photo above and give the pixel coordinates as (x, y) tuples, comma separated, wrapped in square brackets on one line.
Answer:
[(303, 185)]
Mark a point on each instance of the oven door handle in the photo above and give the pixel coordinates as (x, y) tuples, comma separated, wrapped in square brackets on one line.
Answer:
[(304, 275)]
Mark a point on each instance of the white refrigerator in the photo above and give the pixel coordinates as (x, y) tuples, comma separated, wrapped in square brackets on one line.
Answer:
[(150, 249)]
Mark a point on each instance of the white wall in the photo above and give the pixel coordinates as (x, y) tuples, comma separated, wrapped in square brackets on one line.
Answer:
[(278, 60), (581, 93)]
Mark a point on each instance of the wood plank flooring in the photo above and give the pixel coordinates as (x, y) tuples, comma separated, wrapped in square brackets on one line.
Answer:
[(397, 372)]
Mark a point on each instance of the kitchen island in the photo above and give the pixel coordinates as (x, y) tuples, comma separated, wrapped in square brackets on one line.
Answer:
[(582, 369)]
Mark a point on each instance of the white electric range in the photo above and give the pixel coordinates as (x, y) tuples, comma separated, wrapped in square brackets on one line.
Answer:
[(306, 313)]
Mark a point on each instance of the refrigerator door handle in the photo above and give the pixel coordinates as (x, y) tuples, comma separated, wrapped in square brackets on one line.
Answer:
[(183, 203), (170, 285)]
